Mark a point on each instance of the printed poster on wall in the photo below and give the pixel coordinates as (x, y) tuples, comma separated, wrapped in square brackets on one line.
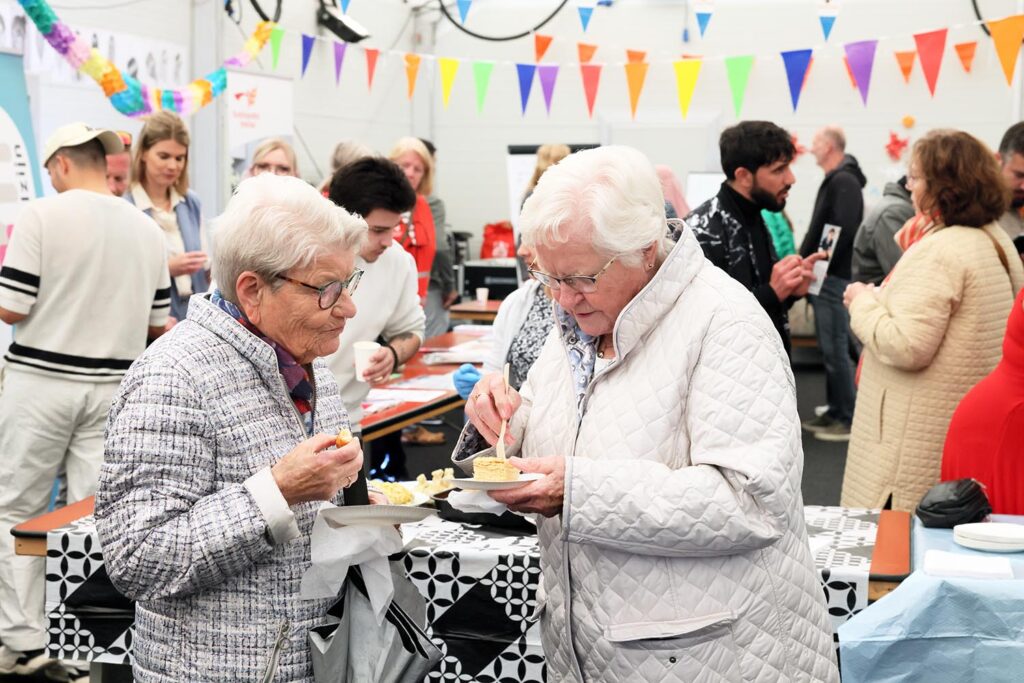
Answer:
[(19, 166), (259, 107)]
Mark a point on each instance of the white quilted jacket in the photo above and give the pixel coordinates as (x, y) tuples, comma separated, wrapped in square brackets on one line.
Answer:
[(681, 552)]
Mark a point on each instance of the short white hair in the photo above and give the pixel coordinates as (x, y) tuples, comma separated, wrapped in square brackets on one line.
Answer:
[(275, 223), (614, 189)]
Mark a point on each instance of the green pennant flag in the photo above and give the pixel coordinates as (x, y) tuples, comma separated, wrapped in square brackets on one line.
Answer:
[(482, 77), (275, 44), (738, 70)]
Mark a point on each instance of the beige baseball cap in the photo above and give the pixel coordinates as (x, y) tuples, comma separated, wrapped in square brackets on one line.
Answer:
[(75, 134)]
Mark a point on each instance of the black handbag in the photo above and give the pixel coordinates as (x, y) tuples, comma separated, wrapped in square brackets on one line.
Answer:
[(954, 502)]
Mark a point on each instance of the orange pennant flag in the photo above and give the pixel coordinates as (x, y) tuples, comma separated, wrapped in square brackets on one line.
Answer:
[(1006, 36), (635, 56), (965, 51), (540, 45), (906, 61), (810, 63), (371, 64), (849, 72), (586, 51), (412, 67), (636, 73)]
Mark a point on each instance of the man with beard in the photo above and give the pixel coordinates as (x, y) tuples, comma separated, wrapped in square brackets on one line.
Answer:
[(756, 158), (1011, 159)]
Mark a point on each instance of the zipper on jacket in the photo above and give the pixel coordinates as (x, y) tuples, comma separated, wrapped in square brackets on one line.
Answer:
[(295, 411), (275, 654)]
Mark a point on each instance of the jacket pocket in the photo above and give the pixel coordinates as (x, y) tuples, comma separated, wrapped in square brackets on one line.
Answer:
[(661, 630)]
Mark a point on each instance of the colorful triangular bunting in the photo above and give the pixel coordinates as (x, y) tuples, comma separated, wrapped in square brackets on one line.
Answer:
[(449, 67), (636, 73), (525, 72), (930, 47), (796, 62), (636, 56), (585, 14), (586, 51), (703, 17), (827, 22), (339, 58), (548, 74), (481, 78), (464, 9), (540, 46), (412, 68), (344, 6), (1006, 36), (591, 74), (371, 64), (860, 58), (307, 50), (275, 45), (687, 71), (738, 71), (965, 51), (905, 58), (849, 72)]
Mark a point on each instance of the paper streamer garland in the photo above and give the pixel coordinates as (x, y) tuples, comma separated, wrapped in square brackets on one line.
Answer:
[(127, 94)]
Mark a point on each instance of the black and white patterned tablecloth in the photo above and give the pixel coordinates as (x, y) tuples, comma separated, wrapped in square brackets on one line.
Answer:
[(480, 585)]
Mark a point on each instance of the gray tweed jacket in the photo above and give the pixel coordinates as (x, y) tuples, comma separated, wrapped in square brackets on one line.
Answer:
[(202, 410)]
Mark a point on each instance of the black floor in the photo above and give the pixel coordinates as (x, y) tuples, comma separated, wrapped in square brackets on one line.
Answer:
[(823, 461)]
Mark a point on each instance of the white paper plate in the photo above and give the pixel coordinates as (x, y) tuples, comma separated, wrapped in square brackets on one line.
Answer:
[(375, 514), (480, 485), (990, 536), (411, 485)]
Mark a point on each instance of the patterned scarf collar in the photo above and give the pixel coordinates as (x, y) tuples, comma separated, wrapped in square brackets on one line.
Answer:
[(295, 376), (582, 350), (913, 231)]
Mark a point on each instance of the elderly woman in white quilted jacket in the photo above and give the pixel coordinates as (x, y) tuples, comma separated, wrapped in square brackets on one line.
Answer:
[(220, 447), (662, 417)]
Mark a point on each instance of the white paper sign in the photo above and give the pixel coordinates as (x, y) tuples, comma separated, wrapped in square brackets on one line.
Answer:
[(259, 107)]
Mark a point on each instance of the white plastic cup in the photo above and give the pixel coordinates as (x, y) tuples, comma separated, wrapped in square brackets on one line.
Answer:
[(481, 295), (362, 351)]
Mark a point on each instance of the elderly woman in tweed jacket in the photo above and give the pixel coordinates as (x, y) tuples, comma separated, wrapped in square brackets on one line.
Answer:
[(219, 447)]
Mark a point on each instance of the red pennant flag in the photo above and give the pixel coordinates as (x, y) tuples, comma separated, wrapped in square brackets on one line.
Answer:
[(591, 74), (586, 51), (636, 56), (371, 64), (540, 45), (930, 46), (906, 59), (966, 53)]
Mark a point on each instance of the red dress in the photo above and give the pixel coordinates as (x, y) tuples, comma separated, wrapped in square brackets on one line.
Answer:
[(420, 241), (985, 440)]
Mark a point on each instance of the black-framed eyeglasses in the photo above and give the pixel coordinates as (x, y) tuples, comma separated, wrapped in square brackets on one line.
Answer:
[(329, 294), (584, 284)]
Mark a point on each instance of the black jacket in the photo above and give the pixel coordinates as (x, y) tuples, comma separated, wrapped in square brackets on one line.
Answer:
[(839, 202), (734, 237)]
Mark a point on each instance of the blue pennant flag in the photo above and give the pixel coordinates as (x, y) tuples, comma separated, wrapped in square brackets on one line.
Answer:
[(464, 9), (585, 14), (526, 72), (344, 5), (702, 21), (797, 62), (827, 21)]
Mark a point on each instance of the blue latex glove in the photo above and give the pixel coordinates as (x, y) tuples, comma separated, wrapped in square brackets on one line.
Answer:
[(465, 378)]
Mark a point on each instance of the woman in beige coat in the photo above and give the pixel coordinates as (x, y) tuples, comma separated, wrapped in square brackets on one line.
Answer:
[(934, 328)]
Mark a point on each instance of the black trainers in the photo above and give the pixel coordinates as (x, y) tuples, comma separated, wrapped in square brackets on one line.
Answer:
[(24, 663), (819, 423)]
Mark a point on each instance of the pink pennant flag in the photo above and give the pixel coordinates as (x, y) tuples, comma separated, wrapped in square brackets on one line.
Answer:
[(591, 74)]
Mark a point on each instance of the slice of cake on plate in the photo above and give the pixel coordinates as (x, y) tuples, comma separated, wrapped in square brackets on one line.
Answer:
[(494, 469)]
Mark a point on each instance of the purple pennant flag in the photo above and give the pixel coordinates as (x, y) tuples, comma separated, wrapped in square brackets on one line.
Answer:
[(548, 73), (861, 58), (339, 57), (525, 82), (307, 50), (796, 62)]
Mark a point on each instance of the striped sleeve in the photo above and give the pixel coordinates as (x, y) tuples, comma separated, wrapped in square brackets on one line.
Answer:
[(20, 273), (162, 296)]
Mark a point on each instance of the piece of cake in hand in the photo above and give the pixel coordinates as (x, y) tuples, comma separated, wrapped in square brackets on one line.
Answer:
[(494, 469), (343, 439)]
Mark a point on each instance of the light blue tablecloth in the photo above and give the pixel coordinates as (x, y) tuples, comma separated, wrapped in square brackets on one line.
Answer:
[(940, 629)]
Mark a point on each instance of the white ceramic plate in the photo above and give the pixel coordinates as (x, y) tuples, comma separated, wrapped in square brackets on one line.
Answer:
[(481, 485), (991, 536), (375, 514)]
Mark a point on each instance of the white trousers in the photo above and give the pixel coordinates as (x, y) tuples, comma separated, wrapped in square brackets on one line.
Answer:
[(45, 422)]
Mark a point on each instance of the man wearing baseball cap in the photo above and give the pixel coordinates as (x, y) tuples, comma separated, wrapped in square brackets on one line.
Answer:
[(84, 282)]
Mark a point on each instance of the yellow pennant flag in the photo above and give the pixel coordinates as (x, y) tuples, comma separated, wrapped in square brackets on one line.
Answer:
[(687, 71), (448, 67), (636, 73), (1006, 36), (412, 67)]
